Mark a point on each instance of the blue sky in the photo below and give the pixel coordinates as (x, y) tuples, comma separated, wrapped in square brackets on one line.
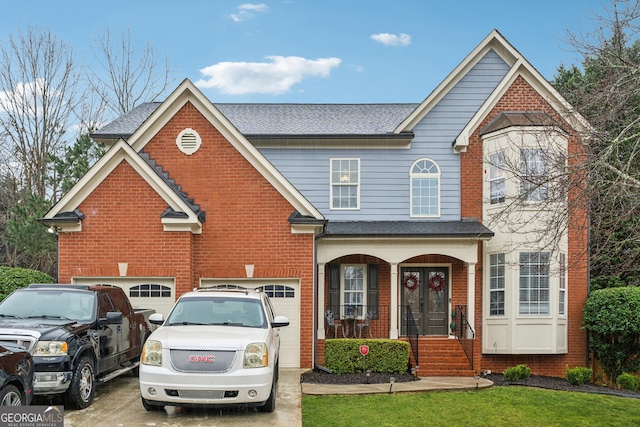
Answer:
[(308, 51)]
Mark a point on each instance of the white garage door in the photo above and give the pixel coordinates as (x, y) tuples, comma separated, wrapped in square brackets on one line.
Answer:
[(144, 292), (285, 298)]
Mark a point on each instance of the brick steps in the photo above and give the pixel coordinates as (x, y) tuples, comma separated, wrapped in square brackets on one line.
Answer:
[(442, 357)]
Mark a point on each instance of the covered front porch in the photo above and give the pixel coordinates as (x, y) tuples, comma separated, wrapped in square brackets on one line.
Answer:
[(419, 288)]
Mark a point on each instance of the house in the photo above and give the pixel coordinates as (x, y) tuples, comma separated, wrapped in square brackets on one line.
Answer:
[(380, 214)]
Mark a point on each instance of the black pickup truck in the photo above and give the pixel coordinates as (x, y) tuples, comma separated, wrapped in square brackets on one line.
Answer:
[(76, 334)]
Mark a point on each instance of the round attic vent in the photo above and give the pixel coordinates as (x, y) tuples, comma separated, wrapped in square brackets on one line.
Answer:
[(188, 141)]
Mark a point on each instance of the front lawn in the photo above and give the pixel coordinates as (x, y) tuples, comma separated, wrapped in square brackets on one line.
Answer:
[(497, 406)]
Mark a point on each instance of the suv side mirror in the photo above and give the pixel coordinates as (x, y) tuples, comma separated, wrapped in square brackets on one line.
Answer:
[(156, 319), (280, 321), (113, 318)]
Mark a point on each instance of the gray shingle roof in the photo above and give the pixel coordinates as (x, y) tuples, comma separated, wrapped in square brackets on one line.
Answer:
[(518, 118), (125, 125), (464, 229), (285, 119)]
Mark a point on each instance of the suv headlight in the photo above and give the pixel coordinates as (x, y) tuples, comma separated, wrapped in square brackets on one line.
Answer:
[(152, 353), (256, 355), (50, 348)]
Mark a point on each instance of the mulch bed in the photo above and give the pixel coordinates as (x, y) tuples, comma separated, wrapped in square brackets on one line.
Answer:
[(554, 383), (321, 377), (540, 381)]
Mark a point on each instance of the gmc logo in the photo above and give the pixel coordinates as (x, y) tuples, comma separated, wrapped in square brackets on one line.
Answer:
[(202, 359)]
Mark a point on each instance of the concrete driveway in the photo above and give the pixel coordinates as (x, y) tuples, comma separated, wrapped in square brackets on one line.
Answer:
[(117, 403)]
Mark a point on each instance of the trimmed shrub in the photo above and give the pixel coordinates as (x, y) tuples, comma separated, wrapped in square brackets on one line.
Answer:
[(578, 375), (628, 381), (518, 372), (12, 278), (612, 317), (342, 356)]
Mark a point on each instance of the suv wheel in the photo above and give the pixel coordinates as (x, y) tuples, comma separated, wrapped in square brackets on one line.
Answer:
[(270, 404), (82, 388)]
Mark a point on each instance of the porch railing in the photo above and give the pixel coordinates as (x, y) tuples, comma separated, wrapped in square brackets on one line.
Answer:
[(411, 329), (464, 333), (358, 321)]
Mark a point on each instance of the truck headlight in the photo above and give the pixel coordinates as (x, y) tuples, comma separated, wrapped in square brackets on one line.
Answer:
[(50, 348), (256, 355), (152, 353)]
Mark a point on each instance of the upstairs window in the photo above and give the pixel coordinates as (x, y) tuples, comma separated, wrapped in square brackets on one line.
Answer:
[(425, 189), (345, 183), (533, 170), (496, 178)]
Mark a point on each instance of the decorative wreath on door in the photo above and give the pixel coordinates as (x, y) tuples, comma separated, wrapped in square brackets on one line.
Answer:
[(437, 282), (411, 281)]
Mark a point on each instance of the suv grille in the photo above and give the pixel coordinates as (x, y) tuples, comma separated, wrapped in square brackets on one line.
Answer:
[(210, 361)]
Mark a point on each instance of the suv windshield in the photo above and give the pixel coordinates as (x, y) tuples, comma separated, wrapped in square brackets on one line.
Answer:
[(49, 304), (218, 310)]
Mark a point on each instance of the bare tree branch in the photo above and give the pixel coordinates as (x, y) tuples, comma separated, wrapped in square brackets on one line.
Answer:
[(37, 99), (126, 77)]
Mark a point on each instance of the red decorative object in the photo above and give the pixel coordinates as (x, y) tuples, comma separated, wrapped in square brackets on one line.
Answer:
[(411, 282), (364, 350), (437, 282)]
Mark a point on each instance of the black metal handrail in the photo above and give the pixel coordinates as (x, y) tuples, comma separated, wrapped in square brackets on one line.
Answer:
[(411, 329), (464, 332)]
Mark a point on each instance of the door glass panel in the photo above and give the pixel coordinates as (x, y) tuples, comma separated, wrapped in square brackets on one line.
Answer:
[(437, 303), (411, 297)]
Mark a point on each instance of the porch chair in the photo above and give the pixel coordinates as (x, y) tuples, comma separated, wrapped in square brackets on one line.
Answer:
[(332, 323), (365, 324)]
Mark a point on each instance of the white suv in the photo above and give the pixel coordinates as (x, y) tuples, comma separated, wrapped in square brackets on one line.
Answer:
[(218, 346)]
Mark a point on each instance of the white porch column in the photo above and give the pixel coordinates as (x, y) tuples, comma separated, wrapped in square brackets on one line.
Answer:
[(320, 284), (393, 327), (471, 293)]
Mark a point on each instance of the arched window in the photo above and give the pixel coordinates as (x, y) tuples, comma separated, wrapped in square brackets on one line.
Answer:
[(425, 189)]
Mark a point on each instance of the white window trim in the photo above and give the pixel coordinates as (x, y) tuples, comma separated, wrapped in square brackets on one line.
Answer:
[(364, 287), (412, 175), (503, 289), (550, 287), (562, 285), (501, 175), (543, 153), (332, 184)]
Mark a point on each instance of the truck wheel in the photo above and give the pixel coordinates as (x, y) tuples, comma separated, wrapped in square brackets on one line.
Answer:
[(270, 404), (150, 406), (11, 396), (82, 388)]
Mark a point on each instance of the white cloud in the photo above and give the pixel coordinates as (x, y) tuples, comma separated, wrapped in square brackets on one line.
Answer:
[(23, 97), (245, 11), (392, 39), (274, 78), (255, 7)]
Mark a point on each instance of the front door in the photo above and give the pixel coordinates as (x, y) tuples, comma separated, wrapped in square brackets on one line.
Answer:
[(425, 290)]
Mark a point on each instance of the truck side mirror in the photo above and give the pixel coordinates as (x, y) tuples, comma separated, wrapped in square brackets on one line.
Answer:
[(113, 318)]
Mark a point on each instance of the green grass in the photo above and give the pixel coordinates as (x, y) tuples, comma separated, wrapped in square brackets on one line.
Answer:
[(497, 406)]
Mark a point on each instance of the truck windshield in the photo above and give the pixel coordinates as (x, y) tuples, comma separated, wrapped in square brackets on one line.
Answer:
[(49, 304), (218, 311)]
